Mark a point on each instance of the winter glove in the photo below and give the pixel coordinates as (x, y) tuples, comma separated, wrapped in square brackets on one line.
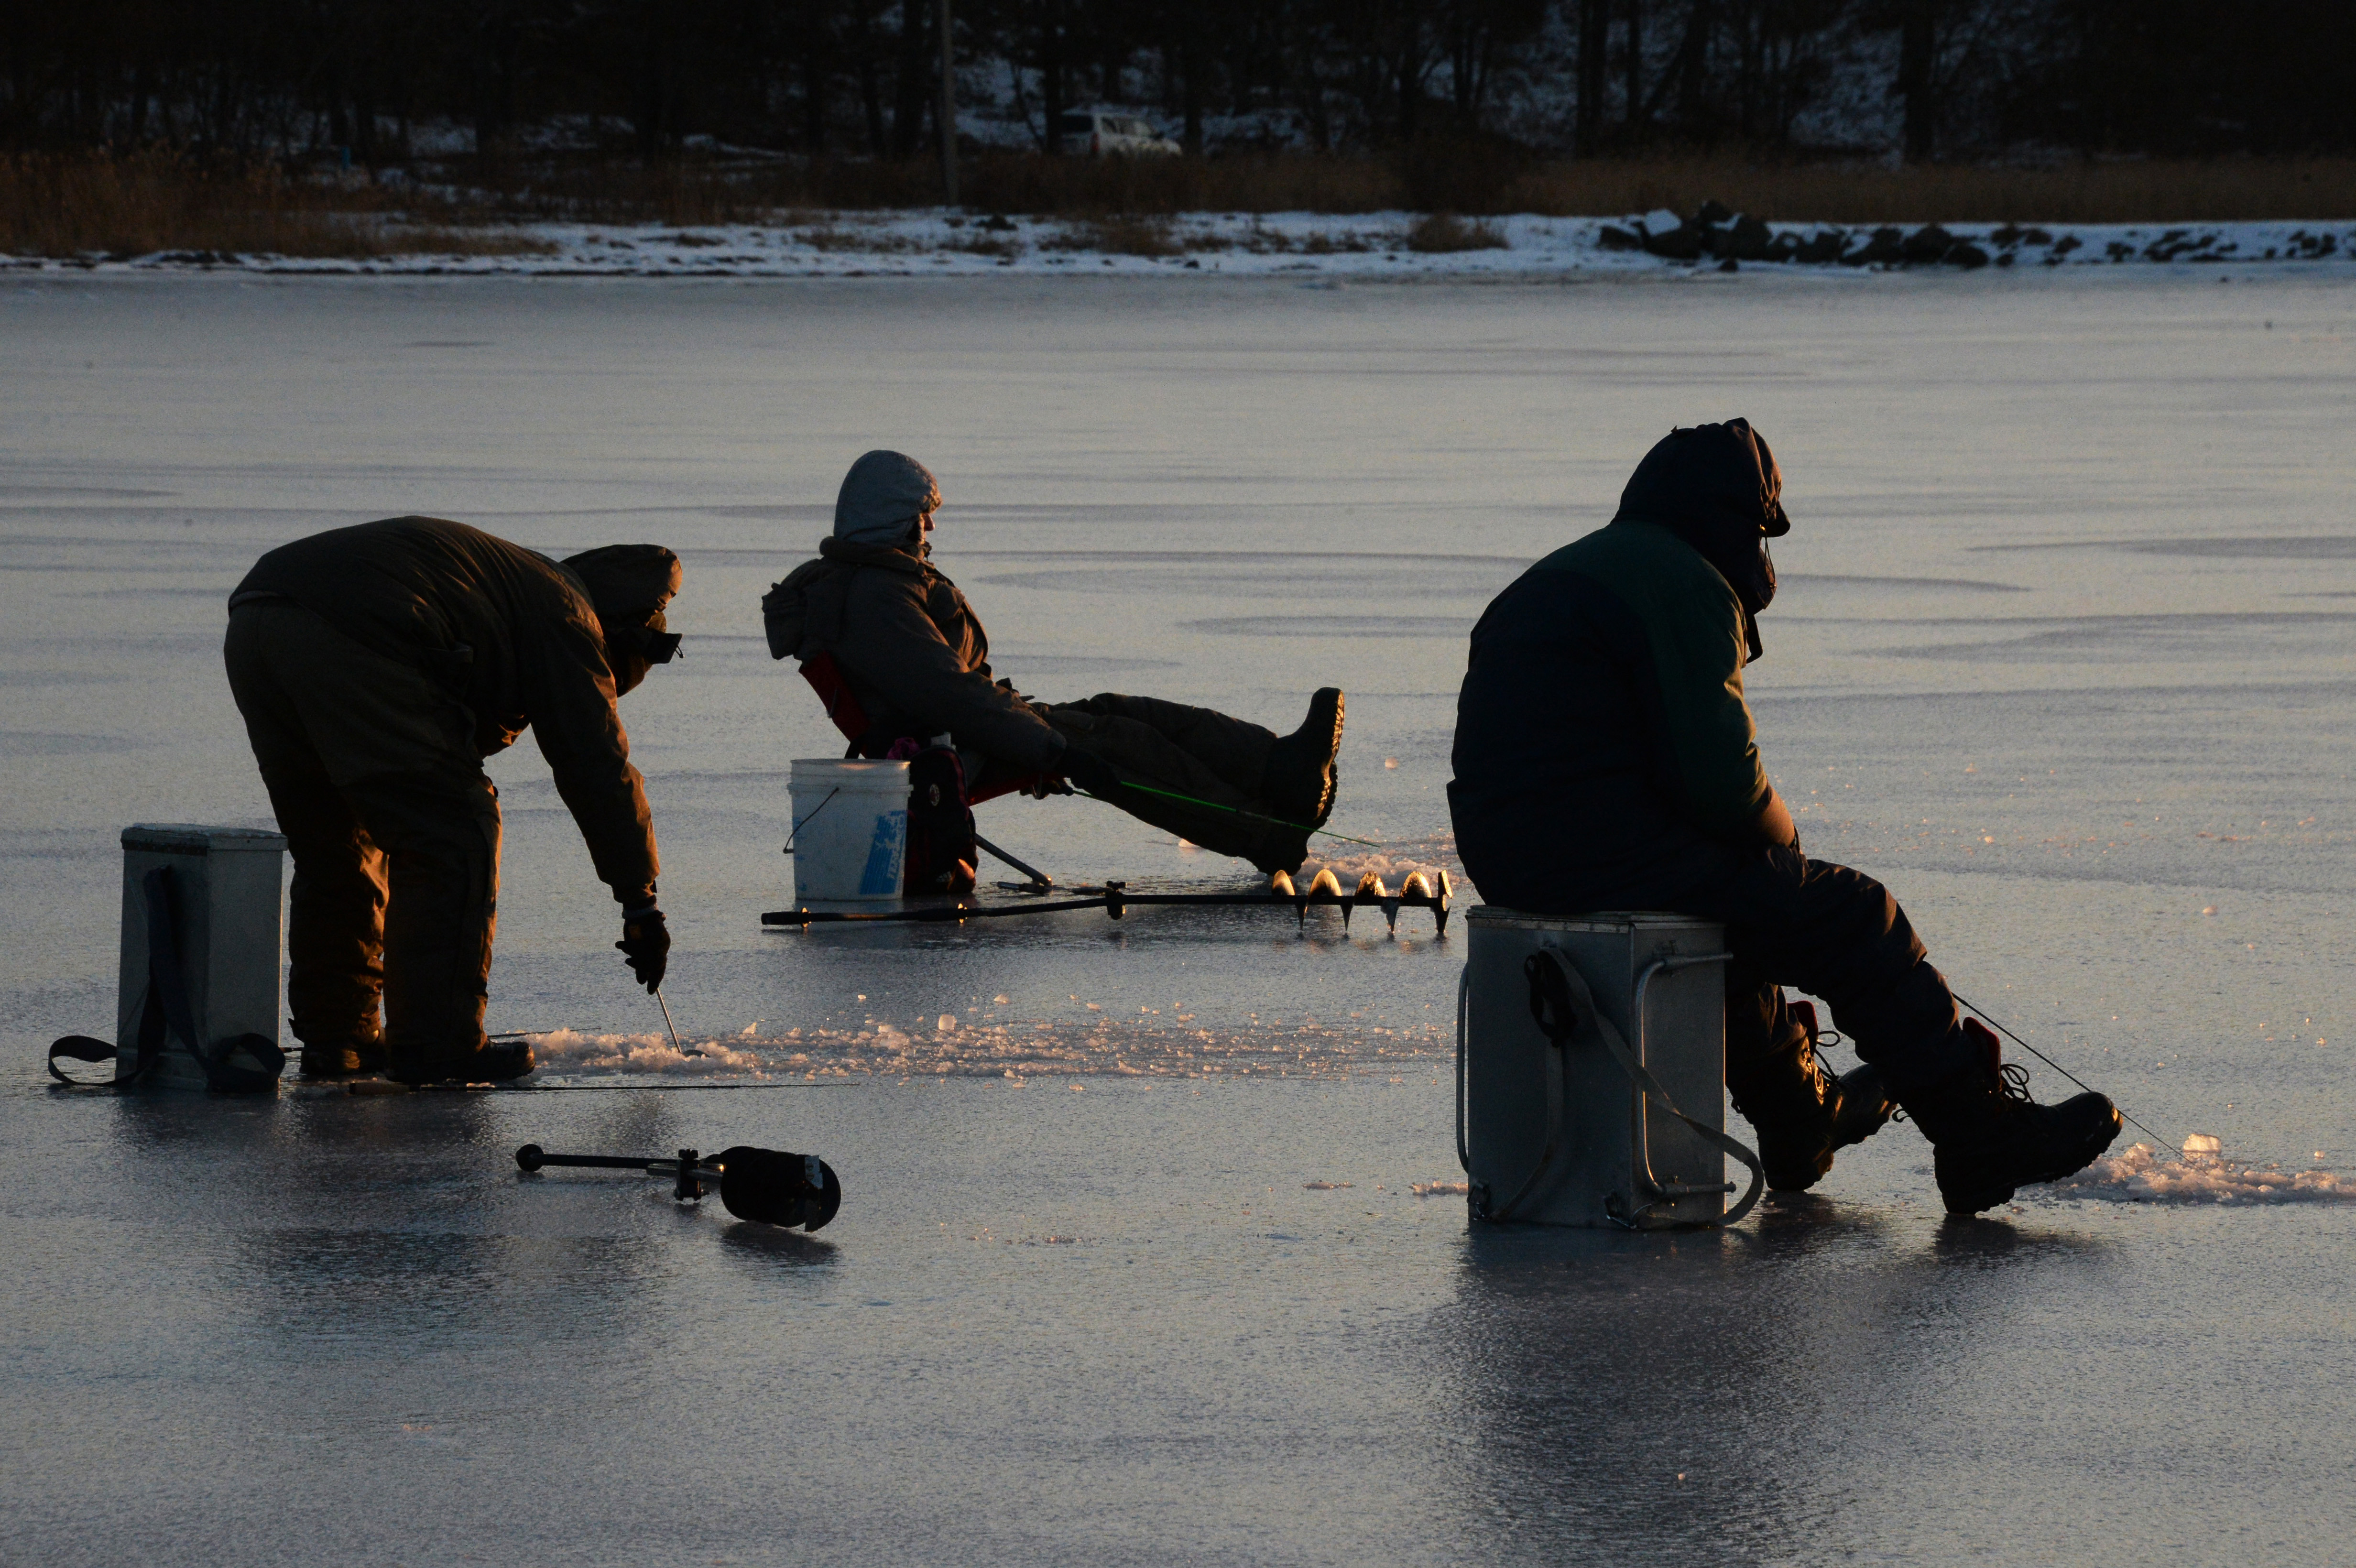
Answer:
[(1088, 772), (646, 944)]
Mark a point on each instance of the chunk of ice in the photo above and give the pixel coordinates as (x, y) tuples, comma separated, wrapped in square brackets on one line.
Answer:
[(2145, 1175), (2204, 1143)]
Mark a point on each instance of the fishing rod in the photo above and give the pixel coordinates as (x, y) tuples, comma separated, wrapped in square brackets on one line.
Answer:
[(1234, 810), (1990, 1018)]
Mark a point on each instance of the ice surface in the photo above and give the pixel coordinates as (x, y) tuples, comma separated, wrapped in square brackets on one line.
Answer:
[(2062, 654)]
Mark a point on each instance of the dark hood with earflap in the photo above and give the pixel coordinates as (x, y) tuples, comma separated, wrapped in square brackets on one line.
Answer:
[(1717, 487), (628, 585)]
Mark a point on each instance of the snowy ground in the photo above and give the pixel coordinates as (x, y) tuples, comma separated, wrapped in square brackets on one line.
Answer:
[(1151, 1251), (1371, 246)]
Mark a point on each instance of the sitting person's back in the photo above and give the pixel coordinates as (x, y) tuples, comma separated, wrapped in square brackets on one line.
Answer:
[(916, 659), (1605, 726)]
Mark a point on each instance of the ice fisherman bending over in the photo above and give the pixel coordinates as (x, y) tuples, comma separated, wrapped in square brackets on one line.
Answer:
[(376, 667), (1605, 760), (916, 657)]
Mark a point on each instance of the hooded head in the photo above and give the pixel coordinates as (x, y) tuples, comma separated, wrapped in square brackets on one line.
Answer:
[(882, 499), (628, 584), (1717, 487)]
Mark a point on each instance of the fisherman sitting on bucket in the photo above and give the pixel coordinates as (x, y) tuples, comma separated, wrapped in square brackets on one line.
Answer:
[(914, 656), (1605, 760)]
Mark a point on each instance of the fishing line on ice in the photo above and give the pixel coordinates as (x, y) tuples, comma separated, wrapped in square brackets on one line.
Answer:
[(1233, 811), (2172, 1148)]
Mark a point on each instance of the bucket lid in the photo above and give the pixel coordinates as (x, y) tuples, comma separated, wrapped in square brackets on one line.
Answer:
[(196, 839), (847, 773)]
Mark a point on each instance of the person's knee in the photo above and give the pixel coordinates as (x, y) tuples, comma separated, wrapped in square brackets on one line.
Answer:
[(1852, 910)]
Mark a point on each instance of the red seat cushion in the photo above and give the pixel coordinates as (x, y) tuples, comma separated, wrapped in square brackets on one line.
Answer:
[(826, 678)]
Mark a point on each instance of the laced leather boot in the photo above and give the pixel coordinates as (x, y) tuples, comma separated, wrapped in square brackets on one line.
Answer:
[(1987, 1136), (497, 1062), (352, 1057), (1802, 1113), (1299, 780)]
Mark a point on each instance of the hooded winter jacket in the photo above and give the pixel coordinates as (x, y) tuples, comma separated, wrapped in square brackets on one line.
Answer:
[(1601, 730), (508, 633), (882, 498), (912, 649)]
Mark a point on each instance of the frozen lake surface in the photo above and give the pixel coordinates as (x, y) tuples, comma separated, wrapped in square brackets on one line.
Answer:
[(2065, 654)]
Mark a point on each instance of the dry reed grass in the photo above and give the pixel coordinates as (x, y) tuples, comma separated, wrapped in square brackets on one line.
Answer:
[(139, 203), (1120, 235), (1444, 231)]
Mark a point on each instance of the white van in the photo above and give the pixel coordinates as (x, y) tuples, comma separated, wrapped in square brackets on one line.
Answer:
[(1101, 134)]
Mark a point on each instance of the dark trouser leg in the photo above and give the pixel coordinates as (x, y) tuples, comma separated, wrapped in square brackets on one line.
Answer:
[(335, 924), (1836, 934), (441, 842), (1201, 754), (1232, 748), (1760, 1028)]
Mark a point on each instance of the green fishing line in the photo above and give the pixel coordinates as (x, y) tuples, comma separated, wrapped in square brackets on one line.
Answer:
[(1238, 811)]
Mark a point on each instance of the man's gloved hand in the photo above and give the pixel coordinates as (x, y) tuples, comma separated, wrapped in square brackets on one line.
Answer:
[(1089, 771), (646, 944)]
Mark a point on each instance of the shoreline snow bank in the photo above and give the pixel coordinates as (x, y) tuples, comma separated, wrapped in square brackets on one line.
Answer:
[(1368, 246)]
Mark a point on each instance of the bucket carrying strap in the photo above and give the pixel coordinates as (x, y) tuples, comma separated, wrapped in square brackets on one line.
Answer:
[(167, 1008), (1564, 1009)]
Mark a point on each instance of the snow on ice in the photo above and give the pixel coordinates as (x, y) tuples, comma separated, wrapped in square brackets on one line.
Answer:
[(1141, 1047), (2201, 1174), (1369, 246)]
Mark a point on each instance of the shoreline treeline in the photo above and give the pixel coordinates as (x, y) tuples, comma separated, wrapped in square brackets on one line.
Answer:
[(376, 81)]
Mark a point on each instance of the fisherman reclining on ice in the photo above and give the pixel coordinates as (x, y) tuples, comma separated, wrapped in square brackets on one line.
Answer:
[(1605, 760), (916, 657)]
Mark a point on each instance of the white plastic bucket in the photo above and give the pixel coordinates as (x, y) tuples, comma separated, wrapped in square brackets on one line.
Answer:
[(851, 828)]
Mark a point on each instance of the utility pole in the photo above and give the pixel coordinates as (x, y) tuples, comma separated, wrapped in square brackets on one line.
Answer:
[(1918, 42), (948, 115)]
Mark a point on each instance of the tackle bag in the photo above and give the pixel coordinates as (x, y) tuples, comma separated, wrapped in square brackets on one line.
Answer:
[(241, 1064)]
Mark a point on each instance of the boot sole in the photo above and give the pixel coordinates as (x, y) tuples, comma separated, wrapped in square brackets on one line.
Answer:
[(1313, 814), (1332, 783)]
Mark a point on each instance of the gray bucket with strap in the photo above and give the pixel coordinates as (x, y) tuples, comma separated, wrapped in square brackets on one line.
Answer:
[(1591, 1071)]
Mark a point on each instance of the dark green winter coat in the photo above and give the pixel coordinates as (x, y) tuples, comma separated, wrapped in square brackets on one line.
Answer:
[(1601, 730)]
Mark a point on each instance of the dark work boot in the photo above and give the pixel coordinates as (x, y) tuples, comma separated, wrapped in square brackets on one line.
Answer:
[(1802, 1114), (1299, 778), (495, 1063), (1280, 850), (348, 1058), (1987, 1136)]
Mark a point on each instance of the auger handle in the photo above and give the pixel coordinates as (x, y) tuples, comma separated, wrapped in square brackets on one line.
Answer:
[(532, 1156)]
